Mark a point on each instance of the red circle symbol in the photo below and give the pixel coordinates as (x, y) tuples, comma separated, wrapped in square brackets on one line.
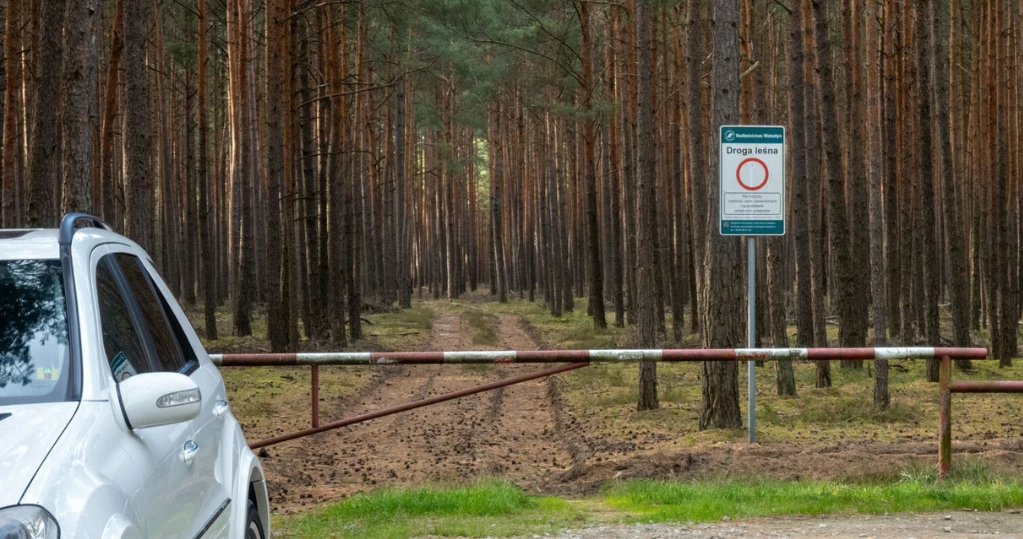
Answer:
[(738, 174)]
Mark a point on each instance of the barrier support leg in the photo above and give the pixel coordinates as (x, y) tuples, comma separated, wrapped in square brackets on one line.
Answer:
[(316, 395), (944, 418)]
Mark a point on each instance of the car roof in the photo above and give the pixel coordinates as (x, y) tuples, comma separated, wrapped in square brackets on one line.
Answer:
[(43, 244), (29, 244)]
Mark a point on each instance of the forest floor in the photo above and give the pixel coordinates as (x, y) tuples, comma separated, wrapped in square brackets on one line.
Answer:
[(572, 434)]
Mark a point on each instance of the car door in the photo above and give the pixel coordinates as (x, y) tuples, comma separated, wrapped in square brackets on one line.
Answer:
[(212, 479), (163, 455)]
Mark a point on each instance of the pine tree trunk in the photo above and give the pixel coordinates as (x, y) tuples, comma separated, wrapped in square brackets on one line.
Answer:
[(11, 209), (932, 289), (108, 191), (593, 269), (645, 195), (79, 95), (697, 148), (815, 195), (959, 295), (208, 267), (798, 168), (723, 273), (44, 170), (874, 132), (838, 223), (893, 254), (138, 222), (858, 199), (276, 310), (242, 174)]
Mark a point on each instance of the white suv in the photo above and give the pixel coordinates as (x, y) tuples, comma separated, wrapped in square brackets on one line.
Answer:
[(113, 421)]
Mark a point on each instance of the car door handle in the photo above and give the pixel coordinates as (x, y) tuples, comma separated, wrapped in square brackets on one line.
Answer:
[(189, 451), (220, 408)]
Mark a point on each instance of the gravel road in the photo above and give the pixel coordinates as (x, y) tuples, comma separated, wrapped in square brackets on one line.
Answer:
[(954, 525)]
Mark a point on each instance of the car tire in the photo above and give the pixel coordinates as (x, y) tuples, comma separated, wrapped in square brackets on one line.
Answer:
[(253, 527)]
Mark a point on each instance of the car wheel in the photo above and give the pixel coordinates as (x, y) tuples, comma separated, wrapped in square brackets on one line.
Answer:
[(253, 527)]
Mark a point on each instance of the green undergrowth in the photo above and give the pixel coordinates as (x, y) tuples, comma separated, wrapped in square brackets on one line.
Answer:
[(482, 324), (489, 509), (404, 329), (972, 486), (499, 509)]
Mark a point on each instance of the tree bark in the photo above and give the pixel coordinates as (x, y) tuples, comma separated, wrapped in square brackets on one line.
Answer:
[(697, 148), (108, 191), (645, 274), (138, 222), (959, 294), (593, 268), (846, 283), (44, 171), (723, 277), (814, 186), (81, 59), (12, 147), (932, 287), (874, 118), (276, 308), (208, 268)]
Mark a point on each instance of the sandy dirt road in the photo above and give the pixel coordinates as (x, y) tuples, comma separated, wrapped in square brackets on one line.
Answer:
[(510, 432)]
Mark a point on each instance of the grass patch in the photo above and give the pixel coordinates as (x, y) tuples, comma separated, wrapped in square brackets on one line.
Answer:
[(492, 509), (482, 325), (499, 509), (972, 487), (841, 409), (405, 329)]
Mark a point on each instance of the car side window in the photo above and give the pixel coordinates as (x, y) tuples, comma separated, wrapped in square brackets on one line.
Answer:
[(121, 340), (169, 355)]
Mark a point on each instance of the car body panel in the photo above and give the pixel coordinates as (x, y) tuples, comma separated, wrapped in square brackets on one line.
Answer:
[(88, 479), (26, 436)]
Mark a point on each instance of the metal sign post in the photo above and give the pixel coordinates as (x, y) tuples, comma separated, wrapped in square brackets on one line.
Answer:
[(752, 203), (751, 331)]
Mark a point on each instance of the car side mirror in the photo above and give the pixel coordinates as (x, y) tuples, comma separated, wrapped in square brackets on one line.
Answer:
[(159, 398)]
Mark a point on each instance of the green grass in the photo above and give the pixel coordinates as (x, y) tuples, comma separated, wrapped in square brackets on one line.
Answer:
[(493, 509), (972, 487), (405, 329), (482, 325), (499, 509)]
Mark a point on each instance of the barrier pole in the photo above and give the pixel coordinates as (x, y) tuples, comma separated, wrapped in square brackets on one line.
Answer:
[(944, 418)]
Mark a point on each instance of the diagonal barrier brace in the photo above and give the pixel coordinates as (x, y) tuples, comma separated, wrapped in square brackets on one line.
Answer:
[(582, 358), (417, 404)]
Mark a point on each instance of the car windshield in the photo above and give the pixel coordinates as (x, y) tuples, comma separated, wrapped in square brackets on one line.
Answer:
[(33, 333)]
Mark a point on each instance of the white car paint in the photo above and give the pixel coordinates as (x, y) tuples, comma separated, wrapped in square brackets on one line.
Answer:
[(100, 479)]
